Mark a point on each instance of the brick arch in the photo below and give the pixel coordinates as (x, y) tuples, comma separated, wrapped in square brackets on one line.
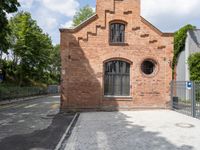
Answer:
[(118, 58), (118, 21), (111, 55)]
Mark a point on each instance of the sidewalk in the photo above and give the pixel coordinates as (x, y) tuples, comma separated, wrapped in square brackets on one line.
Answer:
[(135, 130)]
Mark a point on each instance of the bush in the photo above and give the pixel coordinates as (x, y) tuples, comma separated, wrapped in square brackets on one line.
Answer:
[(194, 66), (179, 43)]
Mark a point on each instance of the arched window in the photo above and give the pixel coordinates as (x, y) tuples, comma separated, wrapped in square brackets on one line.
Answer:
[(117, 78), (117, 33)]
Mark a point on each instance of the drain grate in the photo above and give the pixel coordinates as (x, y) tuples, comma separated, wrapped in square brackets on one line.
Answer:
[(185, 125)]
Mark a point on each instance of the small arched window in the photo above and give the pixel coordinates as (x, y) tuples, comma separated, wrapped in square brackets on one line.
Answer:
[(117, 33), (117, 78)]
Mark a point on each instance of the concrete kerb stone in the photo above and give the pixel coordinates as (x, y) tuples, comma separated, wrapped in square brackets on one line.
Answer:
[(67, 133), (20, 100)]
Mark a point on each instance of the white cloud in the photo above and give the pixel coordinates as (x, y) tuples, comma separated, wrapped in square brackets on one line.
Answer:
[(51, 23), (68, 24), (94, 9), (26, 4), (177, 7), (167, 15), (50, 14), (46, 21), (170, 15), (65, 7)]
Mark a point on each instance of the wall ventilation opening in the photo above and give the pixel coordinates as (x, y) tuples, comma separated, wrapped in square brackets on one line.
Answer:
[(148, 67)]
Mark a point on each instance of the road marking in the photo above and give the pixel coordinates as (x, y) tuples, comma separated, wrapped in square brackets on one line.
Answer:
[(5, 122), (10, 114), (12, 106), (56, 96), (30, 106), (55, 106), (25, 114), (22, 105), (21, 121)]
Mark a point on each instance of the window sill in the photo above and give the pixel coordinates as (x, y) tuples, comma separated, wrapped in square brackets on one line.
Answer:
[(118, 44), (118, 98)]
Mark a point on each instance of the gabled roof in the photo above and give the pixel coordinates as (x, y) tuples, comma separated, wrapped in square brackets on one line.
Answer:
[(80, 26), (155, 29), (94, 17)]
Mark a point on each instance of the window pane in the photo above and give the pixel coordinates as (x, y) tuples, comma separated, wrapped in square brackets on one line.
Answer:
[(117, 32), (117, 85), (117, 78), (125, 85)]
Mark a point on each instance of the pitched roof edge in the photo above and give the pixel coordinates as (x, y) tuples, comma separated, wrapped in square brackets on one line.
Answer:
[(156, 29), (95, 16), (79, 27)]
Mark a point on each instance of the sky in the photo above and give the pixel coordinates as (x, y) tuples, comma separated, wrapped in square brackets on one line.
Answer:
[(167, 15)]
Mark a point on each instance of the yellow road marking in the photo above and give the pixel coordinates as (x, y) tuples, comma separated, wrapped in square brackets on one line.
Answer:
[(30, 106), (55, 106), (12, 106)]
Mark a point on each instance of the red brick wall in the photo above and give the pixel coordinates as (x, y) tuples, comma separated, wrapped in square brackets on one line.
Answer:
[(84, 49)]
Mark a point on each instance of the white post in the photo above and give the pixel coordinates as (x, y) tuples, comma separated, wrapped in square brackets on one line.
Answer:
[(187, 72)]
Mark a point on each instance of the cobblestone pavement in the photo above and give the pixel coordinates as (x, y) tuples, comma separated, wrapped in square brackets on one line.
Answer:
[(32, 125), (135, 130)]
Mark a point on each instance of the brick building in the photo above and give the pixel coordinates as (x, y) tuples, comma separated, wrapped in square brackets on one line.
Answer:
[(115, 60)]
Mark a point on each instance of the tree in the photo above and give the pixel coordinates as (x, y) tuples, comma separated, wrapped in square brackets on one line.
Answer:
[(194, 66), (82, 15), (179, 43), (55, 66), (6, 6), (31, 46)]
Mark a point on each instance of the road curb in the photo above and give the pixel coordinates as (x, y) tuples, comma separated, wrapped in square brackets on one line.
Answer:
[(67, 132), (21, 100)]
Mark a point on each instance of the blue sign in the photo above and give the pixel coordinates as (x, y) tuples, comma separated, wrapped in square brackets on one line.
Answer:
[(189, 85)]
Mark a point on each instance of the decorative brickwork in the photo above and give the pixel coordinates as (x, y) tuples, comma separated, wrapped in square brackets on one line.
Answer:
[(85, 49)]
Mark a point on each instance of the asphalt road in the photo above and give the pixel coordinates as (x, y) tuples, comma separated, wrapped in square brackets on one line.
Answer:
[(32, 125)]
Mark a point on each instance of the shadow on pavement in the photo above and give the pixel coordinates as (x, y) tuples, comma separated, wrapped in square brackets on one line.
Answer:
[(40, 139), (116, 131)]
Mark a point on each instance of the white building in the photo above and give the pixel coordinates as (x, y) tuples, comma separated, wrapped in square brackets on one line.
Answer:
[(192, 45)]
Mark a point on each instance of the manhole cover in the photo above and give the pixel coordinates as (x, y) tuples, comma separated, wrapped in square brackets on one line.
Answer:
[(185, 125)]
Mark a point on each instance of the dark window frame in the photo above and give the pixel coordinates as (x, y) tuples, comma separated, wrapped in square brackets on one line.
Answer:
[(149, 67), (117, 32), (117, 78)]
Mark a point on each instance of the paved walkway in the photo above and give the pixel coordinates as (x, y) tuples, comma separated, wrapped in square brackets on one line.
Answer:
[(135, 130)]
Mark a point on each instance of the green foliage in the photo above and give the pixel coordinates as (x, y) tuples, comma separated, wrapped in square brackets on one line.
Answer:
[(6, 7), (179, 43), (31, 46), (82, 15), (35, 60), (194, 66), (55, 66)]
